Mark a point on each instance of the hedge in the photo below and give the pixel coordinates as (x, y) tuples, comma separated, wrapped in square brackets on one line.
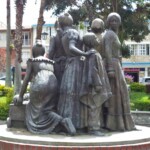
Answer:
[(137, 87), (4, 103), (142, 105)]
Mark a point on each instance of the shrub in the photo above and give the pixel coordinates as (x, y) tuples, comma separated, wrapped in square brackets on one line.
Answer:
[(9, 94), (139, 101), (143, 105), (2, 90), (132, 106), (5, 101), (137, 87), (135, 96), (147, 88), (4, 111)]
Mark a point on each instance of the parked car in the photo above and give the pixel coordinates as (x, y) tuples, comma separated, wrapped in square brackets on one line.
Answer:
[(2, 80), (145, 80)]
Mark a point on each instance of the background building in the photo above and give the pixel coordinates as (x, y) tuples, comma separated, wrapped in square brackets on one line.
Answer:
[(138, 65), (28, 37), (47, 31), (26, 47)]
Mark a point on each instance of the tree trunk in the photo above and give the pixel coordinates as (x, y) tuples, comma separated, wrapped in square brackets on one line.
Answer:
[(8, 52), (17, 85), (41, 21), (90, 10), (115, 5), (18, 45)]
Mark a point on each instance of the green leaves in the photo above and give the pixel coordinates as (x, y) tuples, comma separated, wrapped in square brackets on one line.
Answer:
[(134, 14), (125, 51), (58, 6)]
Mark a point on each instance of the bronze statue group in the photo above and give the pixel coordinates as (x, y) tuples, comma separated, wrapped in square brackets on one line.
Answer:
[(78, 85)]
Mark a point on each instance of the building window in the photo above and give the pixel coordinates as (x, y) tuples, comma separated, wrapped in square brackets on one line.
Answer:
[(133, 49), (26, 39), (148, 72), (2, 36), (142, 49), (53, 31), (25, 55), (139, 49), (147, 49)]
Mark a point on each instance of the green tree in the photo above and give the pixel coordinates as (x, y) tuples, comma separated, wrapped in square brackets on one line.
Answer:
[(59, 6), (20, 4), (41, 21), (47, 5), (134, 14)]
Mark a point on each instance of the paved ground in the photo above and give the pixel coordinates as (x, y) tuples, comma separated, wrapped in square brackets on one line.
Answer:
[(2, 122)]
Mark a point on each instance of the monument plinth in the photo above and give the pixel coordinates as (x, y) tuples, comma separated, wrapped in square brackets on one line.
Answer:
[(21, 139)]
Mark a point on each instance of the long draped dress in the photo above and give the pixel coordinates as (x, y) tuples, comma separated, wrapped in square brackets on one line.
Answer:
[(117, 114), (69, 103), (94, 74), (40, 111)]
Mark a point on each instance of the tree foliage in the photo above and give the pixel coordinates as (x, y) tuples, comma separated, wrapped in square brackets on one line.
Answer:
[(59, 6), (134, 13), (56, 5), (2, 59)]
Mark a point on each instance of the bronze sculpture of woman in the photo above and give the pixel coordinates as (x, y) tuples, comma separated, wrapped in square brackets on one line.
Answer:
[(41, 116), (69, 104), (117, 114)]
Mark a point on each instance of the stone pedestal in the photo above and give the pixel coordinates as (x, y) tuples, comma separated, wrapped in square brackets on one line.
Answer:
[(21, 139), (16, 116)]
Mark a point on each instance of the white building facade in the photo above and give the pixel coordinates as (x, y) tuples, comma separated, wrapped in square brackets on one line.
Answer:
[(138, 65)]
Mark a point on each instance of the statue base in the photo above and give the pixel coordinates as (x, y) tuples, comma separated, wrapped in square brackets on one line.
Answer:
[(16, 117), (21, 139)]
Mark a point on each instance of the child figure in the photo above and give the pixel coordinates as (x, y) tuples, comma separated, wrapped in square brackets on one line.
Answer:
[(41, 115), (95, 87), (97, 27)]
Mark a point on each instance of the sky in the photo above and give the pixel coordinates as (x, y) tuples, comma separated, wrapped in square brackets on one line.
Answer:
[(31, 13)]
